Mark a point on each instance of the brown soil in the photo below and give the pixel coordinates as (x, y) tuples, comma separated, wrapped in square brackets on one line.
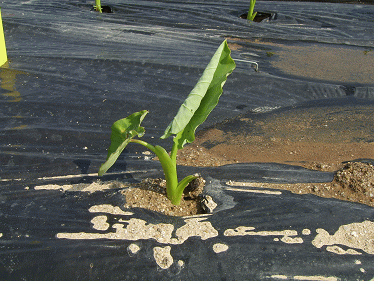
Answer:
[(151, 194), (353, 182), (319, 138), (297, 136)]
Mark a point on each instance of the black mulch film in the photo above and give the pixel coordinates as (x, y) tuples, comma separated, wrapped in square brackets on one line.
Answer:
[(72, 72)]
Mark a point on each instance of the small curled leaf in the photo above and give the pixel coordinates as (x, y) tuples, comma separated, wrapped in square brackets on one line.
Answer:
[(123, 131)]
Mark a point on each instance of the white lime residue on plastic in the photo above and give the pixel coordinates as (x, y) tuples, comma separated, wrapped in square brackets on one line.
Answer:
[(163, 256), (219, 247), (355, 235), (288, 236), (304, 277), (137, 229)]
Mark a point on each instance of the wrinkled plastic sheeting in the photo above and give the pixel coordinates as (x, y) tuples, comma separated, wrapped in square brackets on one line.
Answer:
[(172, 25), (251, 236), (73, 72)]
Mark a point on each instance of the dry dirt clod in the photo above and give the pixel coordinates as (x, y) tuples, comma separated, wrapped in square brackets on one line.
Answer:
[(194, 188), (208, 204), (358, 177)]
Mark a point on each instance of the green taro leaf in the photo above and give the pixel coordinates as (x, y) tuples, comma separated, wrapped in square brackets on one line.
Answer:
[(202, 99), (123, 131)]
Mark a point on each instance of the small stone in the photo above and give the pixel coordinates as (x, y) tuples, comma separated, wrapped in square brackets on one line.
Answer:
[(133, 248), (208, 204), (180, 263), (357, 261), (218, 248)]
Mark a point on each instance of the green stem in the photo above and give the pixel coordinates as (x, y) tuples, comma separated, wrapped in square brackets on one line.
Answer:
[(181, 186), (98, 6), (169, 168), (251, 15), (145, 144), (170, 172), (174, 152), (168, 163)]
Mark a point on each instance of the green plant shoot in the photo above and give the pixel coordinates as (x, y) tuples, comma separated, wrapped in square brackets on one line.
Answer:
[(193, 112), (98, 6), (251, 15)]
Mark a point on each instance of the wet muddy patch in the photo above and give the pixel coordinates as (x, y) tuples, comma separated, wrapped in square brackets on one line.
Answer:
[(317, 61), (328, 63), (300, 135)]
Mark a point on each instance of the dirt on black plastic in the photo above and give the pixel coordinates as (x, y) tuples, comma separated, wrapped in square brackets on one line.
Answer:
[(301, 136), (151, 194), (316, 60), (353, 182), (321, 138)]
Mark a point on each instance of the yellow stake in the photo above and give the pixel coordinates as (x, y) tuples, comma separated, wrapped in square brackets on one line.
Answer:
[(3, 49)]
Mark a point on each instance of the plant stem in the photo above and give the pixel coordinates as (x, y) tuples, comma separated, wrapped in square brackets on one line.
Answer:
[(145, 144), (98, 6), (174, 152), (169, 168), (251, 15), (170, 172)]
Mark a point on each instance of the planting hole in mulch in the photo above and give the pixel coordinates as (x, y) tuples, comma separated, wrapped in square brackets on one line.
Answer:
[(260, 16), (105, 9), (151, 194), (353, 182)]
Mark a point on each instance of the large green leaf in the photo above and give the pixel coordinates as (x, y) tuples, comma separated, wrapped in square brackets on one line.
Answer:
[(203, 98), (123, 131)]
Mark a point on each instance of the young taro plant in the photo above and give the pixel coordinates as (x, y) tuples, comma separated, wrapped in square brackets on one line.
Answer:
[(251, 15), (193, 112), (97, 6)]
